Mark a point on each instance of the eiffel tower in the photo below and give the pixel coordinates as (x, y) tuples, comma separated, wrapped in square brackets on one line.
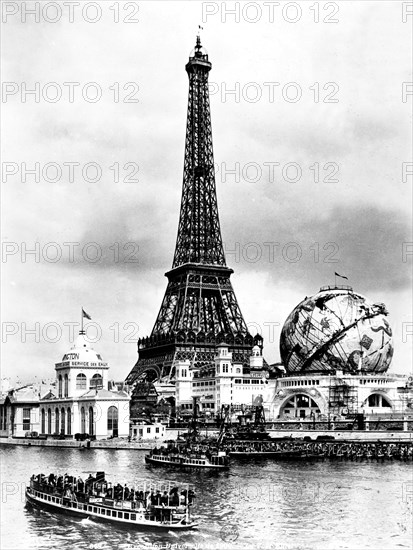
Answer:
[(199, 309)]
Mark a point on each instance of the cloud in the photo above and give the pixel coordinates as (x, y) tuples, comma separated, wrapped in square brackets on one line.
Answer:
[(305, 247)]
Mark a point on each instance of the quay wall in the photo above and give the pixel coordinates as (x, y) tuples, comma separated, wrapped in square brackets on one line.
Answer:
[(99, 444), (172, 433)]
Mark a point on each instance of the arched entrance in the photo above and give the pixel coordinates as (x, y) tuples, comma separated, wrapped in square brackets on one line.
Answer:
[(66, 391), (113, 428), (56, 421), (49, 421), (69, 421), (91, 422), (43, 421), (300, 405), (82, 420), (377, 401), (62, 421)]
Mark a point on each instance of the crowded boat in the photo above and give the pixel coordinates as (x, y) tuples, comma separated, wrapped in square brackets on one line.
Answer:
[(192, 455), (148, 504)]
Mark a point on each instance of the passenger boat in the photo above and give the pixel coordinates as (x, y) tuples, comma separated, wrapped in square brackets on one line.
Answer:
[(192, 457), (96, 499), (190, 451)]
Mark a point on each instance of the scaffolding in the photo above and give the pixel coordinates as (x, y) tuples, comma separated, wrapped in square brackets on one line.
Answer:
[(342, 398)]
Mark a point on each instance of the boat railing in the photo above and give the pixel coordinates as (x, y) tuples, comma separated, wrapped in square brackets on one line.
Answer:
[(157, 514), (143, 495)]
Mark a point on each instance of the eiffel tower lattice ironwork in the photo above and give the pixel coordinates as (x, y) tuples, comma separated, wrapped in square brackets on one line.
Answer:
[(199, 309)]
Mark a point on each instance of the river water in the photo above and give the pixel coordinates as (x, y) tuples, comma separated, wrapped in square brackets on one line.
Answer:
[(257, 504)]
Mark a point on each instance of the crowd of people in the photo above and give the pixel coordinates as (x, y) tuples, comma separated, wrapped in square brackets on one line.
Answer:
[(97, 487), (361, 451), (328, 449), (317, 449), (192, 450)]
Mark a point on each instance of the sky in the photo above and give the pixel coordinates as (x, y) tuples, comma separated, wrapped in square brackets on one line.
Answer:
[(312, 142)]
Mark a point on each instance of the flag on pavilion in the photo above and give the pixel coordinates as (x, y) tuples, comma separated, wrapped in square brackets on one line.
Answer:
[(338, 275), (84, 314)]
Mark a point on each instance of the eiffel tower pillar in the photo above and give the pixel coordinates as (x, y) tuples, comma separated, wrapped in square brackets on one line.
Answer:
[(199, 310)]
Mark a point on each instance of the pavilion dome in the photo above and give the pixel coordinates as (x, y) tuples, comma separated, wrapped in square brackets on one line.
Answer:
[(82, 351)]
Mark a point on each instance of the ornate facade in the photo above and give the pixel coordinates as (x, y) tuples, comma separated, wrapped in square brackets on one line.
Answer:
[(84, 401)]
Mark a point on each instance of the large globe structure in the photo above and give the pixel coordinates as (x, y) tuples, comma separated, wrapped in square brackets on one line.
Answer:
[(336, 329)]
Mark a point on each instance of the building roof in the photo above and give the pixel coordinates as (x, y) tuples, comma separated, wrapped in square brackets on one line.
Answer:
[(30, 393), (82, 352), (104, 394), (49, 395)]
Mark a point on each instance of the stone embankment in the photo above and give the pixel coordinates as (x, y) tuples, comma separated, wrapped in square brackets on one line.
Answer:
[(100, 444)]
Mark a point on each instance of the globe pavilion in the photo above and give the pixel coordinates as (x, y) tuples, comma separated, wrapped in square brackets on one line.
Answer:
[(336, 348)]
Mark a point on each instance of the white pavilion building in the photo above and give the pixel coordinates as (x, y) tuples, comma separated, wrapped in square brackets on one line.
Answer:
[(86, 402)]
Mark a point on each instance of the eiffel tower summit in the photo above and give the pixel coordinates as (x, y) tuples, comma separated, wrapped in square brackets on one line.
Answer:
[(199, 311)]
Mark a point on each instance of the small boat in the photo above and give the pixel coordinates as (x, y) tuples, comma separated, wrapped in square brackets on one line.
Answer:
[(95, 499), (189, 451), (211, 460)]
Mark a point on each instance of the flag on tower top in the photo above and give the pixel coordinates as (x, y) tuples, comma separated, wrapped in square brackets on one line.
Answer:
[(338, 275), (84, 314)]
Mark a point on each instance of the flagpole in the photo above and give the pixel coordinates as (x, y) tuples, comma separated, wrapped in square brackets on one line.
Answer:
[(81, 321), (335, 280)]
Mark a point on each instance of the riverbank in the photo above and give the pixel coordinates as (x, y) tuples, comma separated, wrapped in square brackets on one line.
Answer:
[(144, 445), (71, 443)]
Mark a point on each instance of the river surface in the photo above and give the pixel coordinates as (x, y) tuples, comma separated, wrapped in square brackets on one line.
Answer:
[(257, 504)]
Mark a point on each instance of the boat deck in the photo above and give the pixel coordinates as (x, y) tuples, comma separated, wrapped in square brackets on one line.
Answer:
[(187, 461)]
